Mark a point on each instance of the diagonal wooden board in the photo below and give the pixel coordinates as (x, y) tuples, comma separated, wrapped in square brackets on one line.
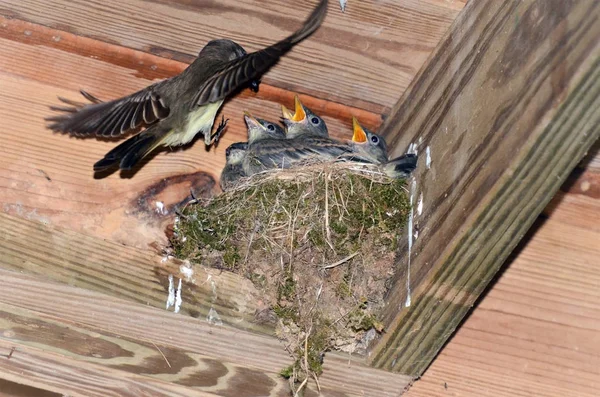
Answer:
[(504, 110), (363, 57), (535, 332)]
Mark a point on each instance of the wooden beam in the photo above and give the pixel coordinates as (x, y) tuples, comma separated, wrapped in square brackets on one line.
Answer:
[(137, 275), (505, 108), (59, 374), (363, 57), (216, 346), (48, 177)]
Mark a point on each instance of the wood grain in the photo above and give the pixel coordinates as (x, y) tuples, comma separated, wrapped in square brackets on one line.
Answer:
[(508, 105), (48, 177), (137, 275), (363, 57), (535, 333), (91, 310), (140, 357), (60, 374)]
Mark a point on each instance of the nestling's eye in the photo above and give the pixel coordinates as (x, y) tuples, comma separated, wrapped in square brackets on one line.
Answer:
[(314, 120), (374, 139), (271, 127), (227, 152)]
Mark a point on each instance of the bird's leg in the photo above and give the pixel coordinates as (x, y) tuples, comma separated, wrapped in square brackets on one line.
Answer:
[(221, 127)]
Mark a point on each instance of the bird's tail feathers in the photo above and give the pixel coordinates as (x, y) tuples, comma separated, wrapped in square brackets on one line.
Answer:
[(129, 153), (312, 23), (401, 167)]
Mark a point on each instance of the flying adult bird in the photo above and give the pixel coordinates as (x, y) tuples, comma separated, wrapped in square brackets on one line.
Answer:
[(175, 110), (303, 121), (233, 170), (259, 129)]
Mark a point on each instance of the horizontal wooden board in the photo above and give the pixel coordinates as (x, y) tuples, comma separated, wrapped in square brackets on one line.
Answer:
[(137, 275), (364, 57), (91, 310), (89, 345), (53, 372), (48, 177)]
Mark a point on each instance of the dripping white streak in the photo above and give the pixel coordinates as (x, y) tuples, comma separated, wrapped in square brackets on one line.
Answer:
[(171, 296), (178, 299), (413, 188), (420, 205), (428, 157)]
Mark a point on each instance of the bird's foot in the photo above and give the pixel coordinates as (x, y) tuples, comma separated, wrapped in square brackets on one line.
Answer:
[(220, 128)]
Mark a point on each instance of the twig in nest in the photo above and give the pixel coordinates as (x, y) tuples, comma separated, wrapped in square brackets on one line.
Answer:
[(306, 367), (342, 261), (161, 353), (327, 229)]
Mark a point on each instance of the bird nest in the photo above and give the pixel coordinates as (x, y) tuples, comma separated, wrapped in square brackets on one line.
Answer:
[(319, 242)]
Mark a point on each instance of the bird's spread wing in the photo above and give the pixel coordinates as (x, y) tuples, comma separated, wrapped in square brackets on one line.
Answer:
[(239, 72), (109, 119)]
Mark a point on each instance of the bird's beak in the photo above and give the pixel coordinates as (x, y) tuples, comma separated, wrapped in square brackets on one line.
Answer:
[(251, 120), (287, 114), (300, 113), (359, 135)]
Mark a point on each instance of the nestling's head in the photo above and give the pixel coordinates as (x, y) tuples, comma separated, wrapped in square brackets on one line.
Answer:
[(368, 144), (303, 121), (262, 129)]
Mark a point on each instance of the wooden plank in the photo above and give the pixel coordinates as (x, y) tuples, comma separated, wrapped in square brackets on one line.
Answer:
[(375, 48), (48, 177), (140, 357), (60, 374), (12, 389), (535, 333), (137, 275), (82, 308), (506, 107)]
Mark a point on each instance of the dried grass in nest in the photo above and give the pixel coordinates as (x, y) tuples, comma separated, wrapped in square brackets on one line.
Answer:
[(319, 241)]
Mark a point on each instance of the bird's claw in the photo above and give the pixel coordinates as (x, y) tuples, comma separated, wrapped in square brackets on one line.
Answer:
[(220, 128)]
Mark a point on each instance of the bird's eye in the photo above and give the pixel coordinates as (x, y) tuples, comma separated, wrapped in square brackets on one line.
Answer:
[(227, 152), (374, 139), (314, 120), (271, 127)]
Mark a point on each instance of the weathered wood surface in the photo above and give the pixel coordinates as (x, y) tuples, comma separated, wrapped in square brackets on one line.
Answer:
[(48, 177), (137, 275), (89, 345), (363, 57), (536, 333), (52, 372), (507, 106), (85, 312)]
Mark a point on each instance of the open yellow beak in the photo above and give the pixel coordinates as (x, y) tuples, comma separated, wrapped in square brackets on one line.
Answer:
[(359, 135), (299, 114), (287, 114)]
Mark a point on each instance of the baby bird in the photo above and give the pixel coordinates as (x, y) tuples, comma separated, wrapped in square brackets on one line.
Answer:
[(259, 129), (233, 170), (303, 122), (284, 153), (367, 145)]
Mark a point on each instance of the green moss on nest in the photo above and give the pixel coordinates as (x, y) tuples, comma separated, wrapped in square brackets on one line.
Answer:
[(319, 242)]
